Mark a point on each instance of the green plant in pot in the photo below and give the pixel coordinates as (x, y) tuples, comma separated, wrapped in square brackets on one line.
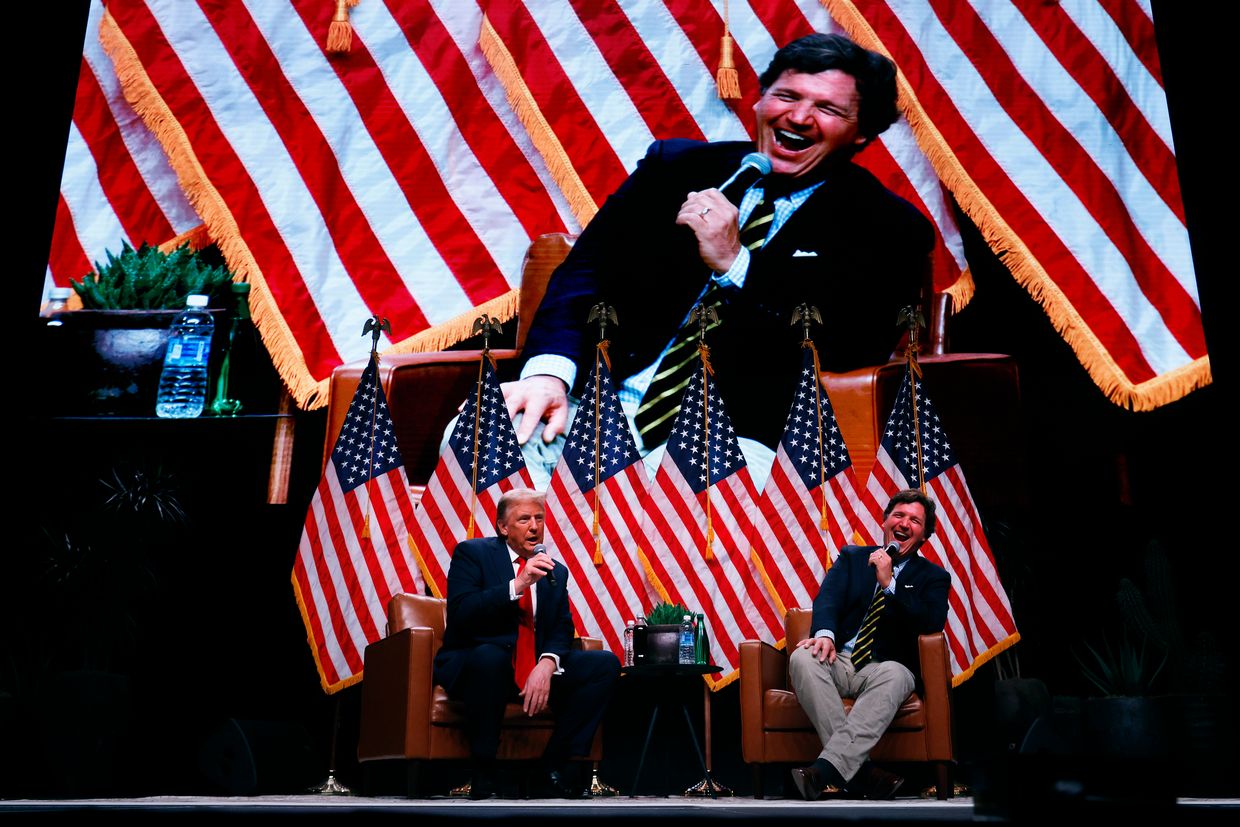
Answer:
[(1127, 720), (663, 632), (113, 348)]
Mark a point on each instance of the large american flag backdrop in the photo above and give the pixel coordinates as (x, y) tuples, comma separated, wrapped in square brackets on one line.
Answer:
[(406, 176)]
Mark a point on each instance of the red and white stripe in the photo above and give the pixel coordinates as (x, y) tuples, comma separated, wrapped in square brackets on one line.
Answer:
[(728, 589), (604, 596), (1050, 123), (442, 518), (116, 184), (789, 542)]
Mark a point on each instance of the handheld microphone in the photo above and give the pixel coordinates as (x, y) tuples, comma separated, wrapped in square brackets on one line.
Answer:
[(892, 549), (753, 166), (542, 549)]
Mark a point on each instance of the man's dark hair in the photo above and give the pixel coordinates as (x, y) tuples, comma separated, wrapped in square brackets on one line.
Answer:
[(909, 496), (875, 75)]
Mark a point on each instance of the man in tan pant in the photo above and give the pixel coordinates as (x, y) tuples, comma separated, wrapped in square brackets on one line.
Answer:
[(872, 606)]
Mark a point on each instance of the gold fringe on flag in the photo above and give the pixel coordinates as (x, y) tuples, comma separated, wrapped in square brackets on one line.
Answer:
[(530, 114), (1016, 256), (340, 32), (727, 81)]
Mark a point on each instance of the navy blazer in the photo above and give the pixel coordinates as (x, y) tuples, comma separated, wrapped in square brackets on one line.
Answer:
[(480, 611), (918, 607), (853, 249)]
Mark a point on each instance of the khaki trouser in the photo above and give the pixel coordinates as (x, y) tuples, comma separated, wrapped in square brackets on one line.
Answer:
[(878, 691)]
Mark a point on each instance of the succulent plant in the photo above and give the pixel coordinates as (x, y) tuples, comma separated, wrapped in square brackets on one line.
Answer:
[(149, 279), (665, 614)]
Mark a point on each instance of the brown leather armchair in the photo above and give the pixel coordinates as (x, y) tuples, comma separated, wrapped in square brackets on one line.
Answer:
[(405, 716), (775, 730)]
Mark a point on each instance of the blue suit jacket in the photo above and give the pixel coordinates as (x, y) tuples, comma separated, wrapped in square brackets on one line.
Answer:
[(853, 249), (479, 610), (918, 607)]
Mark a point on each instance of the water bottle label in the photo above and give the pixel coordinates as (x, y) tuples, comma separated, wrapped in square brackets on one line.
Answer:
[(188, 351)]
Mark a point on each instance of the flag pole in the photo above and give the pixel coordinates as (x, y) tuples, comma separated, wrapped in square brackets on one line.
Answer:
[(375, 325), (807, 314), (704, 316), (486, 325), (912, 318), (602, 313)]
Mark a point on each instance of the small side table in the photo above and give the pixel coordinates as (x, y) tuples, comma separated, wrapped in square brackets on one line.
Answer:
[(664, 672)]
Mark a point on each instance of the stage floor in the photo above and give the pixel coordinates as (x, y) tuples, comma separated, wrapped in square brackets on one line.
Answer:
[(908, 810)]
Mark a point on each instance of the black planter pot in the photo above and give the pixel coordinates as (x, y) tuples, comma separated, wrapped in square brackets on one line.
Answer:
[(108, 361), (1127, 727), (662, 644)]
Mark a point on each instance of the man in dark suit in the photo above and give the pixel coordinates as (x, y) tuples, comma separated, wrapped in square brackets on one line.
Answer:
[(873, 604), (508, 635), (836, 239)]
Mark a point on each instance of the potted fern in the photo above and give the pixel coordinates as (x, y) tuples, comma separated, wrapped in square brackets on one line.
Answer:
[(117, 340)]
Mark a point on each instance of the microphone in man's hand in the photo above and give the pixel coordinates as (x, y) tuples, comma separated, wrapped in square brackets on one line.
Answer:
[(892, 549), (542, 549), (753, 166)]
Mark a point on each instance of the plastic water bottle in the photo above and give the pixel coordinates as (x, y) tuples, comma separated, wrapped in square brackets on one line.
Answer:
[(639, 640), (688, 652), (57, 302), (183, 383), (628, 643)]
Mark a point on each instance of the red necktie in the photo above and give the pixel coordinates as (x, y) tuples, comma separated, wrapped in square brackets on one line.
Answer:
[(523, 658)]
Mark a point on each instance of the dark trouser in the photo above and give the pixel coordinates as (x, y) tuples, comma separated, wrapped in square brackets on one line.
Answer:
[(578, 699)]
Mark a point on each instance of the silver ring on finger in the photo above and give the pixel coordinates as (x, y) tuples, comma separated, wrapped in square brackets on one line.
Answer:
[(702, 212)]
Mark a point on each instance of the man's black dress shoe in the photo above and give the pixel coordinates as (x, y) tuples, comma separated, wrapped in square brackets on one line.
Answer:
[(812, 785), (876, 784), (483, 785), (563, 784)]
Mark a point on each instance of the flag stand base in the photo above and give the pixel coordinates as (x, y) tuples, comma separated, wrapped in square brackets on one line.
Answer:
[(709, 788), (331, 787)]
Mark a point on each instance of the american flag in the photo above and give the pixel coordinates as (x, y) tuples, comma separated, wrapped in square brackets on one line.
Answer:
[(979, 616), (697, 518), (353, 556), (810, 506), (594, 511), (481, 461), (409, 174)]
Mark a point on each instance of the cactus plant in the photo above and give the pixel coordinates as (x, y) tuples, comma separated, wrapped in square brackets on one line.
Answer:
[(149, 279)]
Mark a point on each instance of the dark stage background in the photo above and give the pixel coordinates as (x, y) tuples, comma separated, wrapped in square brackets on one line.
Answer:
[(134, 654)]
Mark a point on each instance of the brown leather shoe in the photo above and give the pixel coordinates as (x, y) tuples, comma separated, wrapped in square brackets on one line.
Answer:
[(812, 786), (876, 784)]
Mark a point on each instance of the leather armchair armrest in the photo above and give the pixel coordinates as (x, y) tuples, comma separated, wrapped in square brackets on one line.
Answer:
[(588, 644), (396, 696), (936, 694), (763, 667)]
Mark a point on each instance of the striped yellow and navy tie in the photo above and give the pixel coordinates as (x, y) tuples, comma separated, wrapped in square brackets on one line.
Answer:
[(661, 402), (863, 651)]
